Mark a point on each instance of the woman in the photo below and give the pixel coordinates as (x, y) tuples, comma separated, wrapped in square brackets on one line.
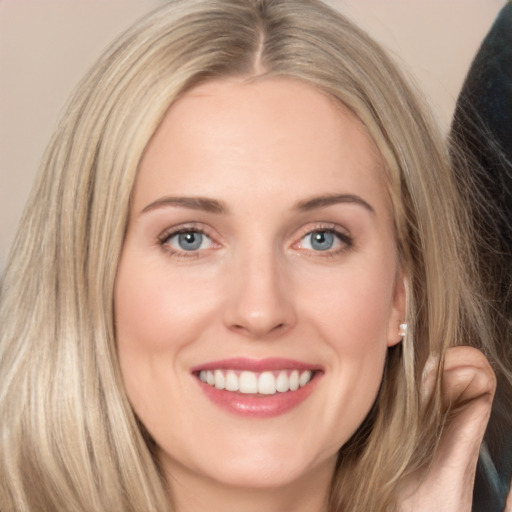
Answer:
[(241, 281)]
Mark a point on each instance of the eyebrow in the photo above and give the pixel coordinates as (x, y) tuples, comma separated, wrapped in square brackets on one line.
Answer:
[(193, 203), (219, 207), (332, 199)]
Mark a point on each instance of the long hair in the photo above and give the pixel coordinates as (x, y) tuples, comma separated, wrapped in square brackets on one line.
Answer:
[(70, 440)]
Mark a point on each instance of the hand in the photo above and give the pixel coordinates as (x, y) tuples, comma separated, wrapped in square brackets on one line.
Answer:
[(468, 383)]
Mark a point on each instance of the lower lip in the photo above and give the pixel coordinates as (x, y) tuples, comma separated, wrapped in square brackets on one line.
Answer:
[(259, 406)]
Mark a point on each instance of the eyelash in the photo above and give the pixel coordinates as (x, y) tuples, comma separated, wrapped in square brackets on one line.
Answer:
[(163, 240), (346, 241)]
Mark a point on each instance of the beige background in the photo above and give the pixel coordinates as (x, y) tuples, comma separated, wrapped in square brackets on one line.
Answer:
[(46, 45)]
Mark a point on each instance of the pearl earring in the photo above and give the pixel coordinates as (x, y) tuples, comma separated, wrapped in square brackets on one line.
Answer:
[(402, 329)]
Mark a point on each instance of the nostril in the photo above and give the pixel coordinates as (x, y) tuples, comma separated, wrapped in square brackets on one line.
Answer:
[(258, 331), (253, 313)]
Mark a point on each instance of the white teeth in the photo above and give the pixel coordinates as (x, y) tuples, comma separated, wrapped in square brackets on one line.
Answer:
[(248, 382), (265, 383), (219, 379), (231, 381), (282, 382), (304, 378), (294, 380)]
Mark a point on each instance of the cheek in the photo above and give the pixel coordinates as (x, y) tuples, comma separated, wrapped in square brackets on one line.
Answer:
[(157, 316), (155, 312), (355, 309), (353, 317)]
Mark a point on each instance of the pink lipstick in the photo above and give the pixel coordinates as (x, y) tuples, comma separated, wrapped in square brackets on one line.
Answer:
[(261, 388)]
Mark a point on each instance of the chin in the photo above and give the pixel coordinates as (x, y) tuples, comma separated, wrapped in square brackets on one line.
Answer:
[(261, 473), (257, 464)]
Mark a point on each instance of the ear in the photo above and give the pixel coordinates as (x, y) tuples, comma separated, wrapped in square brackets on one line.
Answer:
[(397, 314)]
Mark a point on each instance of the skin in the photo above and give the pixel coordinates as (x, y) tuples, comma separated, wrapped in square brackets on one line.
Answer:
[(256, 288), (448, 483)]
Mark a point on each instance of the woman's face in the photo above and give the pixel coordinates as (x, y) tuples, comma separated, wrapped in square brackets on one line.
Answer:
[(259, 256)]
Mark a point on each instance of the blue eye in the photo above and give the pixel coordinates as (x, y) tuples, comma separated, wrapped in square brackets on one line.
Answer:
[(188, 241), (323, 240)]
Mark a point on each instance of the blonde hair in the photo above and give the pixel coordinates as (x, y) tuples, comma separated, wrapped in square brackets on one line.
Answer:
[(70, 440)]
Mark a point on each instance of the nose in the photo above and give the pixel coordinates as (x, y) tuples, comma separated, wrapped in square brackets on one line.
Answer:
[(260, 302)]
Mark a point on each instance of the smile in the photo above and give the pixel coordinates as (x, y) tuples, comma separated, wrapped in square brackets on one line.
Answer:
[(257, 388), (263, 383)]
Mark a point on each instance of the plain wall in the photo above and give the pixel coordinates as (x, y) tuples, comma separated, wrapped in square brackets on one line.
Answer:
[(47, 45)]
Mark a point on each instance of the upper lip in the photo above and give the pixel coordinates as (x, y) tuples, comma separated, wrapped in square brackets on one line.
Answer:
[(256, 365)]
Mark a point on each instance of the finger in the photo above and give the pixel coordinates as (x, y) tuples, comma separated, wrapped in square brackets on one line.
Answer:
[(467, 376), (467, 389), (468, 386)]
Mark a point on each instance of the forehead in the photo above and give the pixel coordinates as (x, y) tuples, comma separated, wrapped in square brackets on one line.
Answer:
[(262, 137)]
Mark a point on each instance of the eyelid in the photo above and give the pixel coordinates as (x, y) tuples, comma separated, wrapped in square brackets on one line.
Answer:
[(164, 237), (345, 238), (322, 226), (181, 228)]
